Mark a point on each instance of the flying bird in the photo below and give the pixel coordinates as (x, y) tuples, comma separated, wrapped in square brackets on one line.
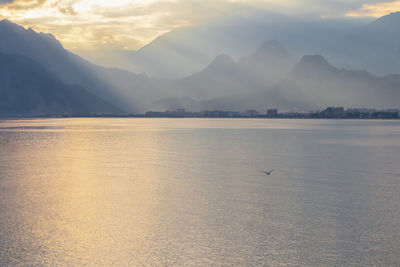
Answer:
[(268, 173)]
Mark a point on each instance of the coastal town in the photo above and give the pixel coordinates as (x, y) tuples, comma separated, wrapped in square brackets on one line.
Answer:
[(328, 113)]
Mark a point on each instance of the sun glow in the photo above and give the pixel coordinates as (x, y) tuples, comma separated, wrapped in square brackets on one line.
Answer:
[(85, 24), (376, 10), (131, 24)]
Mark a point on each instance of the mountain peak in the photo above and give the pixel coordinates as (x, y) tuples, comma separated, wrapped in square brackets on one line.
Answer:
[(9, 23), (313, 64), (3, 21), (388, 23), (314, 60), (18, 36), (8, 28), (222, 61), (271, 51), (392, 16)]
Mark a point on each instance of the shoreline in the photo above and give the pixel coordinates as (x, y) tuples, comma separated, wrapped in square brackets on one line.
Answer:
[(160, 117)]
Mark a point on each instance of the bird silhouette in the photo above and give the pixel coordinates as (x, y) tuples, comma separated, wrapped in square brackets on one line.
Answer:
[(268, 173)]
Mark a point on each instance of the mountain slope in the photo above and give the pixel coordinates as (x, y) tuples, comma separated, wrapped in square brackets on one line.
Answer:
[(383, 31), (28, 89), (185, 51), (313, 83), (269, 64), (220, 77), (315, 80), (263, 77), (353, 44), (116, 86)]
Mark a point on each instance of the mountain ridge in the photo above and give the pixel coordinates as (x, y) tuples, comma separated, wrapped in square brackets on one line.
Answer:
[(27, 88), (346, 43), (270, 75), (116, 86)]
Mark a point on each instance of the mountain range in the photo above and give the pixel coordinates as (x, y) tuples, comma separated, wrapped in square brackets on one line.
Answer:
[(312, 83), (372, 45), (116, 86), (28, 89), (274, 75)]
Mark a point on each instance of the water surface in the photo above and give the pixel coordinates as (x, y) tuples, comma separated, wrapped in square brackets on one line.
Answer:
[(192, 192)]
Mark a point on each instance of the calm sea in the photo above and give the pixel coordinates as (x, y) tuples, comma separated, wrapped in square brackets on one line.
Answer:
[(192, 192)]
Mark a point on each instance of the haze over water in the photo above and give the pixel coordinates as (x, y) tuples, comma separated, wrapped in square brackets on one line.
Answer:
[(184, 192)]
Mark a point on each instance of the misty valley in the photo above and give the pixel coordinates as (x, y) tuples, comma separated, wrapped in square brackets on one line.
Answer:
[(54, 81)]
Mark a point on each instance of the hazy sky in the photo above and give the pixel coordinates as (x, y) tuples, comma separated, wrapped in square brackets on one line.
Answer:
[(101, 24)]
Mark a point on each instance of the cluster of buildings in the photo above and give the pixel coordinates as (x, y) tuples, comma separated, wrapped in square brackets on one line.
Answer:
[(182, 113), (341, 113), (328, 113)]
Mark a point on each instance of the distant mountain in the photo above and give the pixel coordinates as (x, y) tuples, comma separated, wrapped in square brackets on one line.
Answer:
[(223, 76), (173, 55), (28, 89), (347, 43), (239, 102), (317, 82), (312, 67), (383, 31), (269, 77), (269, 64), (192, 48), (229, 85), (313, 83), (123, 89), (376, 46)]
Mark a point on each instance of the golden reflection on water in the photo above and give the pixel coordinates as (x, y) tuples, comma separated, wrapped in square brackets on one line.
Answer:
[(86, 198), (134, 192)]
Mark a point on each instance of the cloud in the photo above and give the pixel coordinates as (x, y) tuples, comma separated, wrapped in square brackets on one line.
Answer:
[(88, 24), (376, 9), (23, 4), (84, 24), (2, 2)]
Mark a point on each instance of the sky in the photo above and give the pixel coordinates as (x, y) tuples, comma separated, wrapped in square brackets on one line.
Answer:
[(130, 24)]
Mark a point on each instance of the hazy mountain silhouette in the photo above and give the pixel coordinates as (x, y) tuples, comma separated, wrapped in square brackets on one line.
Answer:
[(376, 46), (183, 46), (220, 77), (192, 48), (312, 67), (315, 81), (384, 31), (263, 100), (116, 86), (228, 85), (270, 63), (267, 78), (312, 83), (223, 76), (27, 88), (352, 44)]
